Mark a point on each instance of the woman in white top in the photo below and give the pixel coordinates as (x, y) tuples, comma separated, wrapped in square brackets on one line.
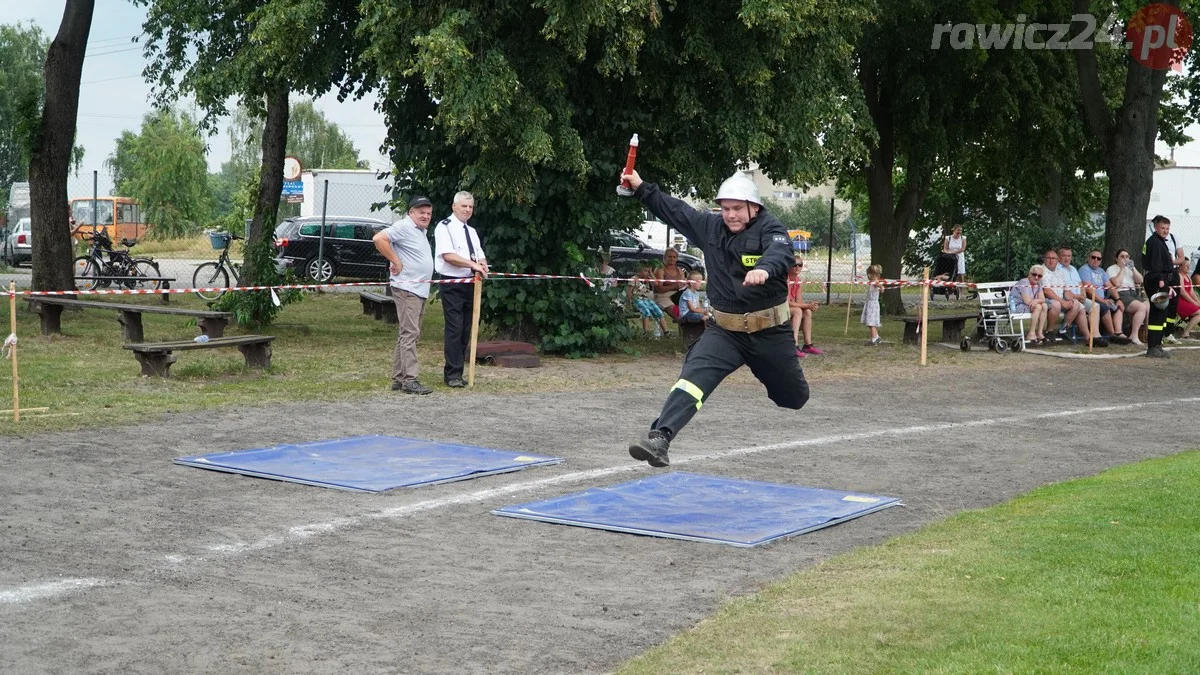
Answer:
[(957, 244), (1123, 279)]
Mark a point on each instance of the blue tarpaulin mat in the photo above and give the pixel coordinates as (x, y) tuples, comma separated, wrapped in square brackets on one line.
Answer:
[(368, 463), (703, 508)]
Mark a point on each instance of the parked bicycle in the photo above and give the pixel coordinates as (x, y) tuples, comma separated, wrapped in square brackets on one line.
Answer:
[(214, 275), (106, 266)]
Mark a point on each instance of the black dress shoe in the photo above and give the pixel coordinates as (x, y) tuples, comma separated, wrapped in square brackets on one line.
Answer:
[(396, 386), (456, 383)]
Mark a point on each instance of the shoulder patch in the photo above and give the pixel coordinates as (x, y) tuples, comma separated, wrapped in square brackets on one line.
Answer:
[(445, 221), (780, 239)]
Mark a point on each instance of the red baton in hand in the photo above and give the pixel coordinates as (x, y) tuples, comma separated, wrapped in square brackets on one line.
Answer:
[(625, 189)]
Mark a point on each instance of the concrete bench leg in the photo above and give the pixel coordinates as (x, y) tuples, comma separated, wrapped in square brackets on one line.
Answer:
[(952, 330), (389, 314), (368, 306), (50, 316), (156, 364), (911, 332), (131, 326), (257, 355), (166, 297), (213, 327)]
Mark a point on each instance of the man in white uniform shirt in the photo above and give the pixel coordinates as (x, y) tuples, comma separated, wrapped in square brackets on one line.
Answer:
[(406, 247), (458, 254)]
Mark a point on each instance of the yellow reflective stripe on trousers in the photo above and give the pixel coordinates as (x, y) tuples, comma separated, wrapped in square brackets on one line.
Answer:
[(1149, 327), (688, 387)]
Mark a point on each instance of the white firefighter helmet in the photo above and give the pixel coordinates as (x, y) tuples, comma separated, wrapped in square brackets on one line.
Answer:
[(1160, 299), (741, 187)]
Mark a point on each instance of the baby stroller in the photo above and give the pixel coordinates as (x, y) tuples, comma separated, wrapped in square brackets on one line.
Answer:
[(945, 268)]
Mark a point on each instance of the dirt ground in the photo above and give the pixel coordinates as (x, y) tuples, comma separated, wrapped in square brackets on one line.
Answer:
[(175, 569)]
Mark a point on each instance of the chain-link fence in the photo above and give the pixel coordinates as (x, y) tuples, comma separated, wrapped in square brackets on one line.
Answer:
[(323, 234)]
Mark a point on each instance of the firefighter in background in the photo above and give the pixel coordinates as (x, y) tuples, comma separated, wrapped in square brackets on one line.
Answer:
[(1159, 278), (748, 254)]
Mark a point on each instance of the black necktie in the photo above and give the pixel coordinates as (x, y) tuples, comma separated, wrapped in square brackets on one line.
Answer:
[(470, 246)]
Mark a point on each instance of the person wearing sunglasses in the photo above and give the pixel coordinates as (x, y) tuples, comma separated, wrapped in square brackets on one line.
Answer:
[(1124, 279), (1028, 297), (1097, 284)]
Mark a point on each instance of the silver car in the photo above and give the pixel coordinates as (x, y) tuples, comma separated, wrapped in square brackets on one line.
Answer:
[(18, 244)]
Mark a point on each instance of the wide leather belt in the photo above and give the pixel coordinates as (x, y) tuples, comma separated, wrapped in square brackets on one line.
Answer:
[(752, 322)]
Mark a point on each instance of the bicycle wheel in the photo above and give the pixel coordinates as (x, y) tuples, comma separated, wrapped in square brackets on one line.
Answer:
[(86, 273), (210, 275), (145, 267)]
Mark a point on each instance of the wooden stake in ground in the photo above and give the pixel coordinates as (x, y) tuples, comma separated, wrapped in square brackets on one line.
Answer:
[(12, 326), (924, 314), (474, 329), (849, 300), (1093, 324)]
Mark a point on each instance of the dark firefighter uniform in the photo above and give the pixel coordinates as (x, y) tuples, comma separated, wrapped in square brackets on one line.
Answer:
[(1159, 261), (751, 325)]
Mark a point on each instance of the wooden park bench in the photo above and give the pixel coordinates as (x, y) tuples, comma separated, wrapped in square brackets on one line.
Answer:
[(156, 357), (378, 305), (49, 309), (952, 326), (118, 282)]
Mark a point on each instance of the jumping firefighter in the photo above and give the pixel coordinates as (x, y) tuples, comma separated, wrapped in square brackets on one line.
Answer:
[(748, 255)]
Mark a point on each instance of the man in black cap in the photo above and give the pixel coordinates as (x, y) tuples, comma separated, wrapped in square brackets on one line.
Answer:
[(1160, 277), (406, 247)]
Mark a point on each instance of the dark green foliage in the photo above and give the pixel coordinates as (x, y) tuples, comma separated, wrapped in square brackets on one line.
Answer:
[(531, 107), (256, 308)]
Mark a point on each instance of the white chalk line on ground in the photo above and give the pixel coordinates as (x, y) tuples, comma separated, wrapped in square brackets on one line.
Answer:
[(301, 533), (46, 590)]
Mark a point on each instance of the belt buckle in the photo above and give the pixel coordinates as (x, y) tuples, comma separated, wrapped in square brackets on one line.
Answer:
[(746, 321)]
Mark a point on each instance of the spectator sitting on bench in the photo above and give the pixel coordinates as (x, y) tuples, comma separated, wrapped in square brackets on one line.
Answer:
[(1027, 297), (1189, 302), (1124, 279), (669, 280), (642, 298), (802, 312), (689, 309), (1098, 287)]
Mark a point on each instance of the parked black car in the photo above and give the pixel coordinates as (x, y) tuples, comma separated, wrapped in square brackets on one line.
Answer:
[(629, 253), (349, 251)]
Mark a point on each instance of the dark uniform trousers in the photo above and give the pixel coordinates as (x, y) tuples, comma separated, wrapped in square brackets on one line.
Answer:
[(1161, 319), (458, 302), (770, 353)]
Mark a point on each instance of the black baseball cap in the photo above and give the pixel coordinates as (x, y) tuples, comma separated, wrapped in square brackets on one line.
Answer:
[(419, 201)]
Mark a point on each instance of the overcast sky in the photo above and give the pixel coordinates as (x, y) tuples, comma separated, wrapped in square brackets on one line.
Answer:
[(113, 96)]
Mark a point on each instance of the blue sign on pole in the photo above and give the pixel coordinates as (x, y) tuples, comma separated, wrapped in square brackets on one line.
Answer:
[(293, 187)]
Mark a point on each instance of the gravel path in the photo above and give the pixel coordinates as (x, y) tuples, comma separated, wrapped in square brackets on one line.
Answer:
[(112, 559)]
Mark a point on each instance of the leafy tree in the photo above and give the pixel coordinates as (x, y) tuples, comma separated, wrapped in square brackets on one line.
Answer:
[(53, 148), (317, 142), (1126, 121), (165, 169), (530, 105), (256, 52), (22, 57)]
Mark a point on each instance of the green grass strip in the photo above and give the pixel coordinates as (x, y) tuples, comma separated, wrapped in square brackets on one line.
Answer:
[(1092, 575)]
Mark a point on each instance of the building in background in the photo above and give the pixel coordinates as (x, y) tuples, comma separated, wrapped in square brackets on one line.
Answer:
[(1176, 195)]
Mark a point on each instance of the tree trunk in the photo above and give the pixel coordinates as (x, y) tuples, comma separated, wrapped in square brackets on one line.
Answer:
[(889, 220), (1050, 210), (270, 180), (1127, 140), (51, 157)]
